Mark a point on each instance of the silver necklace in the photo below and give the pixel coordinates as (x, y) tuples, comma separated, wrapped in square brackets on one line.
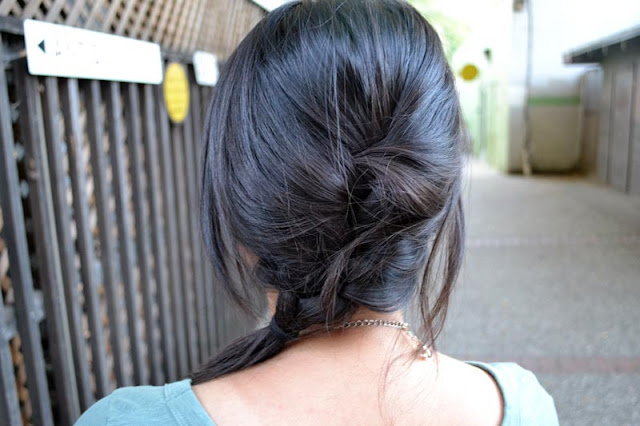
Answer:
[(425, 352)]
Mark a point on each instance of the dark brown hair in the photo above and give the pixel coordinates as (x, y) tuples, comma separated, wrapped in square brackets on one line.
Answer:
[(332, 171)]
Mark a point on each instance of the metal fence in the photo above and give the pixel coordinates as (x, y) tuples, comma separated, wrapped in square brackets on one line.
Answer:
[(103, 277)]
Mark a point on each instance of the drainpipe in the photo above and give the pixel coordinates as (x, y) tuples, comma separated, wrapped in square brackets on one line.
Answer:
[(526, 149)]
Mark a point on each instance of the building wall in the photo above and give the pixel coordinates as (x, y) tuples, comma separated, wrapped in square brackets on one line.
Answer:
[(548, 113), (618, 146)]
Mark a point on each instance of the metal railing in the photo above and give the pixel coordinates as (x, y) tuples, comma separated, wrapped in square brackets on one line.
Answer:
[(98, 222)]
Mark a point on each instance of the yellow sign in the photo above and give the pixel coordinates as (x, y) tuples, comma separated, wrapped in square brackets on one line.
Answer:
[(176, 92), (469, 72)]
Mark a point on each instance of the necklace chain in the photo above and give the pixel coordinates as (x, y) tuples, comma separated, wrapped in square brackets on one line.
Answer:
[(425, 352)]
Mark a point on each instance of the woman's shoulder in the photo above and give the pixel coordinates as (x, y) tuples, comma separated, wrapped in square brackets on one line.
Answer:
[(171, 404), (526, 402)]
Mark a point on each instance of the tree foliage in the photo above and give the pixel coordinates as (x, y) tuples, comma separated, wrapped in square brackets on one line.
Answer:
[(451, 30)]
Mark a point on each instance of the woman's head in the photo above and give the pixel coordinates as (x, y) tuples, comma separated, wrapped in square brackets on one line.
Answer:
[(332, 169)]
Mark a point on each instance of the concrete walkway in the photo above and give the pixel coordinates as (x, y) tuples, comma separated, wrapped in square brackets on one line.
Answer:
[(552, 281)]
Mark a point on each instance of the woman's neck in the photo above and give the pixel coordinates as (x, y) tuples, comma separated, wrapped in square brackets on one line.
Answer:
[(373, 345)]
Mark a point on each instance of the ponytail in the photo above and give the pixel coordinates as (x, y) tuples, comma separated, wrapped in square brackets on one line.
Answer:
[(246, 351)]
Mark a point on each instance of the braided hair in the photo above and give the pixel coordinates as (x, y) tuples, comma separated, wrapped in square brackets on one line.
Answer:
[(332, 172)]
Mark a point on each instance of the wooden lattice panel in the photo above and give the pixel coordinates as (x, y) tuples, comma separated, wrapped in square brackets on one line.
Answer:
[(177, 25)]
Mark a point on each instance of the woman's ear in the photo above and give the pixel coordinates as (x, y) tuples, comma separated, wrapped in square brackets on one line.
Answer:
[(272, 299), (250, 258)]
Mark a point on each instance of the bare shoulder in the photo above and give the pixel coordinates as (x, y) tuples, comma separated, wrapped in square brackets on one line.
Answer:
[(470, 395), (209, 395), (239, 398), (455, 393)]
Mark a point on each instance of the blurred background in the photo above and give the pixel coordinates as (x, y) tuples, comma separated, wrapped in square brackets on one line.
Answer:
[(102, 273)]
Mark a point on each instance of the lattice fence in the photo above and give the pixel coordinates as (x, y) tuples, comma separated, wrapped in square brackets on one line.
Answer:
[(103, 280), (178, 25), (83, 221)]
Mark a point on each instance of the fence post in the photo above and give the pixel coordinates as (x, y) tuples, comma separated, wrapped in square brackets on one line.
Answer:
[(191, 172), (15, 237), (77, 170), (196, 120), (95, 132), (63, 228), (134, 143), (46, 240), (9, 405), (117, 155), (169, 199), (158, 236)]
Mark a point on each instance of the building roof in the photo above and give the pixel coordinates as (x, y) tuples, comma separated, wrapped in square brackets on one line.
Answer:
[(625, 42)]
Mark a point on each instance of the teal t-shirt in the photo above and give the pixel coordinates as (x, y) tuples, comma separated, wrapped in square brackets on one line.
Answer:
[(526, 403)]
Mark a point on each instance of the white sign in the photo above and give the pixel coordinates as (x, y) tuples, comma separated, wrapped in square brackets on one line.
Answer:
[(62, 51), (205, 65), (269, 5)]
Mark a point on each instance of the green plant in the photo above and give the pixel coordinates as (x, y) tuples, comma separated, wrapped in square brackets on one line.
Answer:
[(451, 30)]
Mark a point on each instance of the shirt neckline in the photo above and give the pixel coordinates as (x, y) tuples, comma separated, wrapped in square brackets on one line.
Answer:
[(185, 405), (507, 409)]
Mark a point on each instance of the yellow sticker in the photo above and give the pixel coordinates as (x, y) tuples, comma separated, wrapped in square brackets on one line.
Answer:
[(176, 92), (469, 72)]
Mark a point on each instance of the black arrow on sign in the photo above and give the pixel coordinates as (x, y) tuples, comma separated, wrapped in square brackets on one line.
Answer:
[(41, 46)]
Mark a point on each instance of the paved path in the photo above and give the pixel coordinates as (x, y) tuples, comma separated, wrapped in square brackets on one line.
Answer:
[(552, 281)]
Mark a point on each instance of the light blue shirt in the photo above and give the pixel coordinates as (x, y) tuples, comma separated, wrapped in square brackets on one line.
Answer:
[(526, 403)]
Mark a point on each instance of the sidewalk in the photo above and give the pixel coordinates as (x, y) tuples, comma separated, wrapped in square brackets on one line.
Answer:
[(552, 281)]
